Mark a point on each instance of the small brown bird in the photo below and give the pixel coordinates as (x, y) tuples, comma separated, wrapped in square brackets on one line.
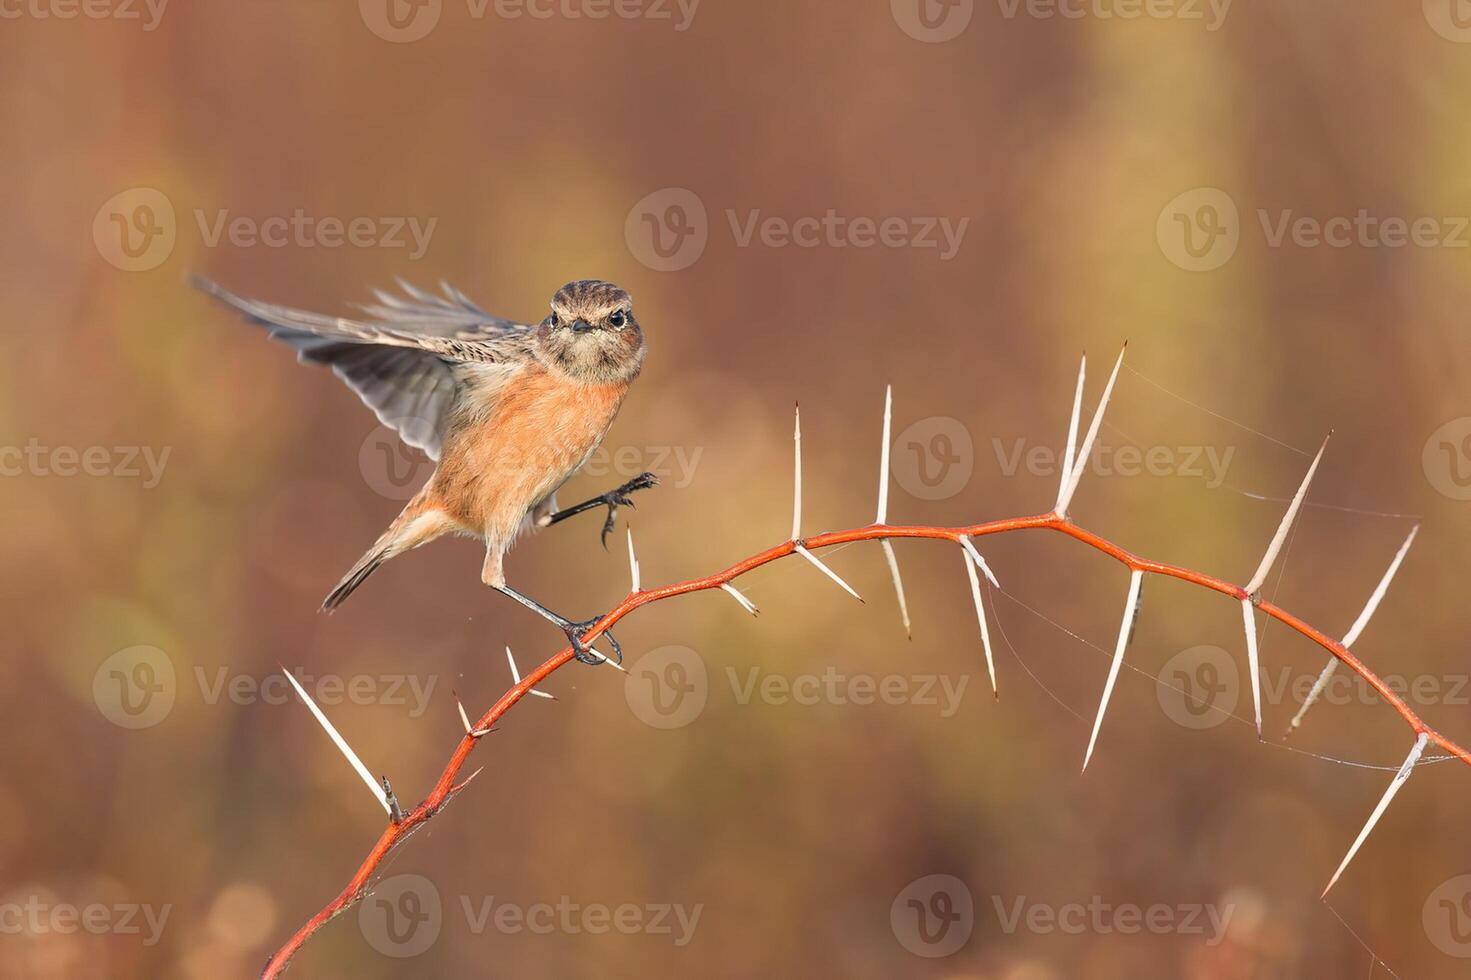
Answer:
[(508, 411)]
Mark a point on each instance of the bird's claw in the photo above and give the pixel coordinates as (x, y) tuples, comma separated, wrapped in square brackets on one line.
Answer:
[(620, 497), (585, 653)]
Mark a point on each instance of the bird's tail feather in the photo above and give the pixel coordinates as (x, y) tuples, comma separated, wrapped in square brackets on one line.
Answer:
[(366, 565), (419, 523)]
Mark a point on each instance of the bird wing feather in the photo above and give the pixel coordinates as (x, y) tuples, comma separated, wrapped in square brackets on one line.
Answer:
[(400, 359)]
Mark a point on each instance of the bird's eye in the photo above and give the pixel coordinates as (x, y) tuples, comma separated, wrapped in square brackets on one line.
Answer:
[(617, 319), (553, 318)]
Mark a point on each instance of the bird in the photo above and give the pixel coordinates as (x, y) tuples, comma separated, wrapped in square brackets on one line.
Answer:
[(507, 411)]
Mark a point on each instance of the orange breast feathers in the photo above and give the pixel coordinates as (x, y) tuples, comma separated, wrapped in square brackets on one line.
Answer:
[(543, 427)]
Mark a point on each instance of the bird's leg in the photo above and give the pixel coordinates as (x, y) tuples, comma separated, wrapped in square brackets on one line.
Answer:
[(575, 631), (613, 499)]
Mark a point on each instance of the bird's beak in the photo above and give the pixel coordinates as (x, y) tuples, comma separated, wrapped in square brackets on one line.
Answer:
[(581, 326)]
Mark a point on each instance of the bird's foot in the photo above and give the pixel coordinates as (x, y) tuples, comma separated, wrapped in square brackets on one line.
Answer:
[(576, 633), (620, 497)]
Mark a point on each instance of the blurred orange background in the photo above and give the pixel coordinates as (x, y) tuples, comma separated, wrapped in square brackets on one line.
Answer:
[(808, 202)]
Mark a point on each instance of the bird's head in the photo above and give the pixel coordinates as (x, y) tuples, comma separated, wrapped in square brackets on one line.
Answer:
[(591, 333)]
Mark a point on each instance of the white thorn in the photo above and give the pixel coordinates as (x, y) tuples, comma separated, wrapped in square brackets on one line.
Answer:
[(975, 556), (797, 476), (1136, 582), (1281, 536), (1358, 628), (883, 511), (1072, 436), (1080, 462), (516, 676), (898, 583), (341, 743), (828, 572), (470, 730), (1379, 591), (1248, 621), (633, 563), (1319, 686), (471, 778), (1394, 787), (746, 604), (606, 659), (975, 592)]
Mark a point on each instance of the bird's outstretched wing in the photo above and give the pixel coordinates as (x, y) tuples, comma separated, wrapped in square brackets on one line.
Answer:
[(398, 359)]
